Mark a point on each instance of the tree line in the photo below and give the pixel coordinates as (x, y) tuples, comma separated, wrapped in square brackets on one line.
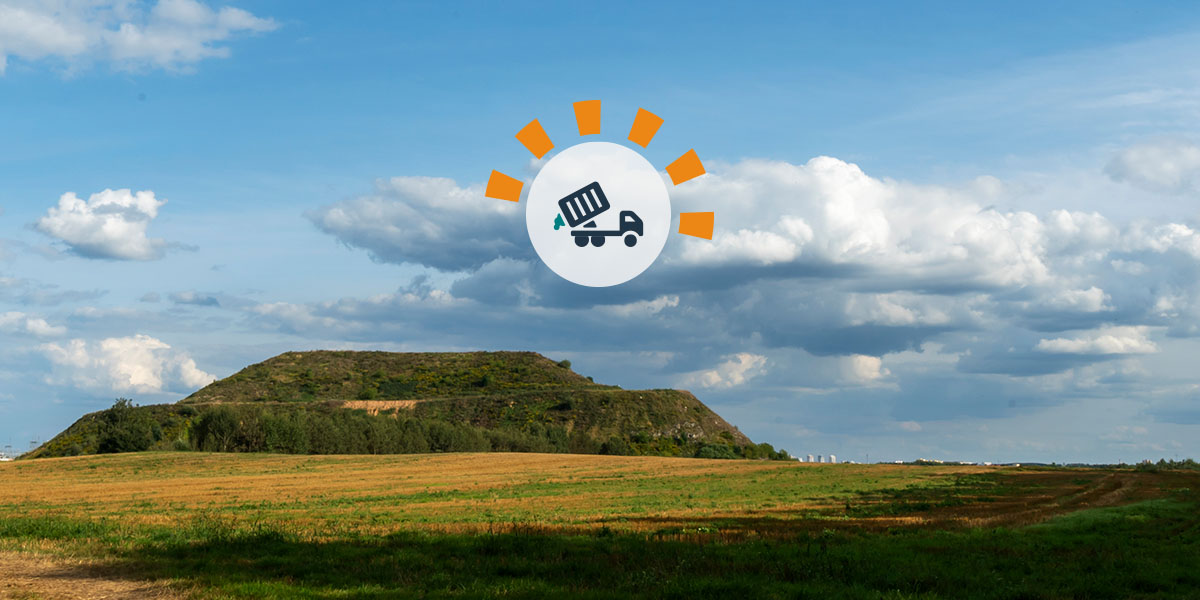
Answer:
[(303, 430)]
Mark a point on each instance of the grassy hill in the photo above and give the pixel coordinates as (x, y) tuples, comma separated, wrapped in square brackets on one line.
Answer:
[(344, 375), (340, 402)]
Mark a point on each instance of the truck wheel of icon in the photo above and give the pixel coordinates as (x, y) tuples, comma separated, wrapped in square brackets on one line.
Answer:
[(584, 205)]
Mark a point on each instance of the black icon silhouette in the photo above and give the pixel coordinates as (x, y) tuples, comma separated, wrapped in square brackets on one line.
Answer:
[(588, 202)]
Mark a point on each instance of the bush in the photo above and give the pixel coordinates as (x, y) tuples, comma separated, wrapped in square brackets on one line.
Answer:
[(124, 429), (716, 451), (216, 430), (582, 443), (615, 446), (566, 364)]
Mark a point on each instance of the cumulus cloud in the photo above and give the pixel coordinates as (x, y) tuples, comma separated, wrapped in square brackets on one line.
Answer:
[(428, 221), (1170, 165), (138, 363), (829, 213), (863, 369), (110, 224), (19, 322), (733, 371), (815, 260), (1110, 340), (172, 34)]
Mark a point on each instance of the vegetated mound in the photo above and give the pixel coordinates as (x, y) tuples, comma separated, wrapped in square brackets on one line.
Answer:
[(327, 402), (345, 375)]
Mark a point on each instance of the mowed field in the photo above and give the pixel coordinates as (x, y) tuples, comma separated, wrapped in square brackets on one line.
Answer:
[(186, 524)]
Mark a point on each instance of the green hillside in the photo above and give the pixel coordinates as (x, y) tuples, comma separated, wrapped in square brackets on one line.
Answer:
[(344, 375), (341, 402)]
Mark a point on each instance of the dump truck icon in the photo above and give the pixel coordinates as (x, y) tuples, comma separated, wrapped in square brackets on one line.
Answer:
[(584, 205)]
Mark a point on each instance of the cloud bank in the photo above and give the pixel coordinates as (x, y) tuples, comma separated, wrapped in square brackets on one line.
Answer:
[(820, 279)]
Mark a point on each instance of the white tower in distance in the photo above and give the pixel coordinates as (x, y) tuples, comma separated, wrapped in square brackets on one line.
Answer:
[(833, 458), (810, 458)]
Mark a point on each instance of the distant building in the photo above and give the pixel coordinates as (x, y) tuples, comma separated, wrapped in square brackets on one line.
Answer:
[(820, 458), (833, 458), (810, 458)]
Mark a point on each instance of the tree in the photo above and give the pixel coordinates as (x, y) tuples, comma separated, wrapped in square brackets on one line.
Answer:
[(125, 429), (217, 430)]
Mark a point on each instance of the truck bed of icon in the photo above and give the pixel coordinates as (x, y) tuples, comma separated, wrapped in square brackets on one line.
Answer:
[(583, 206)]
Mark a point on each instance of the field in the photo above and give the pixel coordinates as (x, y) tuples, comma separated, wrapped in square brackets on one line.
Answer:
[(201, 525)]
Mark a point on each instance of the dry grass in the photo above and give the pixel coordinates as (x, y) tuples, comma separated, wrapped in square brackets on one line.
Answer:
[(26, 575), (103, 526), (491, 491)]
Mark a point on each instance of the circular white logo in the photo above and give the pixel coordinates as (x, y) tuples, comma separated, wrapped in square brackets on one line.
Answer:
[(598, 214)]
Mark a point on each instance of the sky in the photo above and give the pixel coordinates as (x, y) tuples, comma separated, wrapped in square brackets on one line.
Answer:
[(942, 231)]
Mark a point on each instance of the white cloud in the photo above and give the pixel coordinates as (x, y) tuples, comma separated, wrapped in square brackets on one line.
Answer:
[(895, 309), (1090, 300), (1109, 340), (18, 322), (139, 363), (732, 371), (829, 212), (911, 426), (643, 307), (110, 224), (818, 256), (862, 369), (429, 221), (173, 34), (1165, 165)]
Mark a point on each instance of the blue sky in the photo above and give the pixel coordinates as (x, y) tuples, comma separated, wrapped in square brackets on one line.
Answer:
[(941, 231)]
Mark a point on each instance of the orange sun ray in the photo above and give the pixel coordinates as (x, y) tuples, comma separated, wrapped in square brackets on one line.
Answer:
[(535, 139), (645, 125), (587, 116), (697, 224), (685, 167), (503, 187)]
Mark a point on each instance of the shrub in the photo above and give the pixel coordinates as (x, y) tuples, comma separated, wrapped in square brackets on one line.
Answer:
[(715, 451), (615, 446), (566, 364), (124, 429), (216, 430)]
